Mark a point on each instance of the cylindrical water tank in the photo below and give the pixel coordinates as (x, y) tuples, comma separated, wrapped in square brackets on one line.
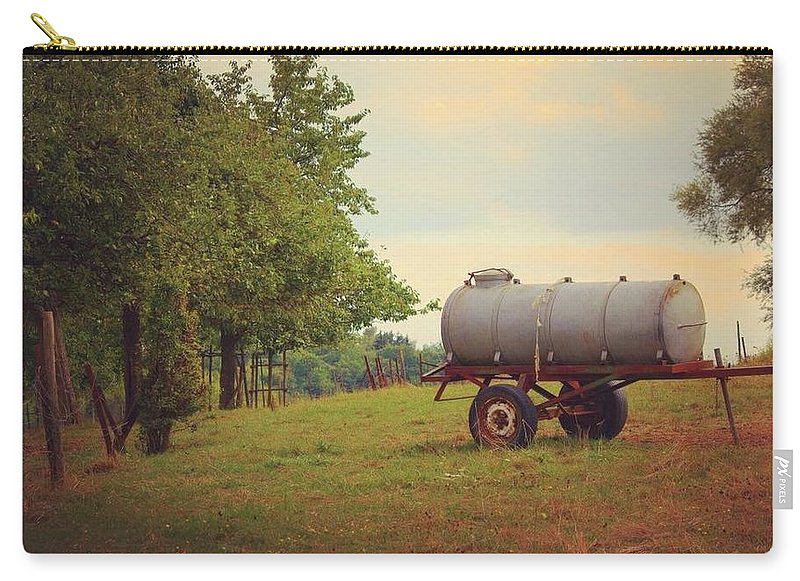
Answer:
[(492, 319)]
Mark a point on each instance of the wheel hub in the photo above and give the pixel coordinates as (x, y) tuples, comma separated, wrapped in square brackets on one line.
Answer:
[(501, 419)]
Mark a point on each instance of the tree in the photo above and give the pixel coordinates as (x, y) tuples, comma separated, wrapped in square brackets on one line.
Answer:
[(173, 385), (311, 373), (106, 186), (246, 208), (731, 197), (304, 276), (387, 338), (304, 109)]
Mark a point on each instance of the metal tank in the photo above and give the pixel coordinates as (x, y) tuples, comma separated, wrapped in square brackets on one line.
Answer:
[(493, 319)]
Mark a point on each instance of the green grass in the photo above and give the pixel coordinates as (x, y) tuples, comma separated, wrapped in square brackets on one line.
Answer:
[(393, 471)]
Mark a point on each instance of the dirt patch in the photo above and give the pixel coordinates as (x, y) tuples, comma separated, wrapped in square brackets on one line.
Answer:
[(751, 433)]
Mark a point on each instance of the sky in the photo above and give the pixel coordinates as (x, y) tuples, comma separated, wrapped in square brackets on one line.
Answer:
[(548, 166)]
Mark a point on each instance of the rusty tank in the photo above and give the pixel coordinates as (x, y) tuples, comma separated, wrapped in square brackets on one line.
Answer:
[(493, 319)]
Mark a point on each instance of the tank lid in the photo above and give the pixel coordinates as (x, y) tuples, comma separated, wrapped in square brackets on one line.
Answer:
[(491, 276)]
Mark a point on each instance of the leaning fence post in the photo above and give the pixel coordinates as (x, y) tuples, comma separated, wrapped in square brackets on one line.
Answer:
[(723, 382), (379, 372), (97, 400), (369, 373)]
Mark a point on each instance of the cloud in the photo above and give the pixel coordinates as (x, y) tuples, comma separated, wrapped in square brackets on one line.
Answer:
[(454, 97), (615, 105)]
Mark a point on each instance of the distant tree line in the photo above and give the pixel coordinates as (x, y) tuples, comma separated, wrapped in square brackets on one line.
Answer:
[(163, 209), (340, 366)]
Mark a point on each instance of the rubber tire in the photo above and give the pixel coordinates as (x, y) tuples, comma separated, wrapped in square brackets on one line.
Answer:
[(614, 411), (512, 399)]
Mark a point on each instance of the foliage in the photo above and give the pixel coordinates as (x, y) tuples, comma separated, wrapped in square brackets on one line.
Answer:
[(103, 178), (173, 386), (311, 373), (105, 192), (433, 353), (383, 338), (340, 364), (731, 197), (759, 283), (303, 111), (95, 340), (304, 274)]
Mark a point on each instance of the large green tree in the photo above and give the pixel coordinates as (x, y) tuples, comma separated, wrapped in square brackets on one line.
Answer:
[(105, 192), (305, 276), (731, 197)]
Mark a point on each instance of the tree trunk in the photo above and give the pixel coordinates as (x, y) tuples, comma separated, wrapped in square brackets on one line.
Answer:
[(227, 371), (132, 354), (157, 438)]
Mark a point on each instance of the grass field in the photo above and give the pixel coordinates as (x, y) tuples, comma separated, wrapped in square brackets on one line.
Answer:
[(393, 471)]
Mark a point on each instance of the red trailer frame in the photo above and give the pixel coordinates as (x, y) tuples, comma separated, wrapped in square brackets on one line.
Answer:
[(584, 387)]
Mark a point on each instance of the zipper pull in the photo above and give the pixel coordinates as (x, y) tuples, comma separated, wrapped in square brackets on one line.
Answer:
[(56, 40)]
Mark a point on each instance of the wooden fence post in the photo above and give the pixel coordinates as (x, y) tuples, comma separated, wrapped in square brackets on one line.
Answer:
[(257, 381), (379, 372), (70, 411), (270, 403), (284, 365), (50, 415), (723, 381), (369, 374), (403, 365), (97, 399), (739, 340)]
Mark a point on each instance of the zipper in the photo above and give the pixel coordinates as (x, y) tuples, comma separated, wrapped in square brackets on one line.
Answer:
[(59, 43)]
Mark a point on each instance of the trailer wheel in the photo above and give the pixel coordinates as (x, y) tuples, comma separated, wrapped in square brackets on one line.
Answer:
[(603, 416), (502, 416)]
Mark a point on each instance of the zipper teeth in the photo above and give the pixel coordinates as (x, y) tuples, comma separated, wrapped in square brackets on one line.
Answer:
[(414, 50)]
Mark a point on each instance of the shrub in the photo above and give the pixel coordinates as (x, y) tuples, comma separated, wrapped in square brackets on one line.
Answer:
[(173, 386)]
